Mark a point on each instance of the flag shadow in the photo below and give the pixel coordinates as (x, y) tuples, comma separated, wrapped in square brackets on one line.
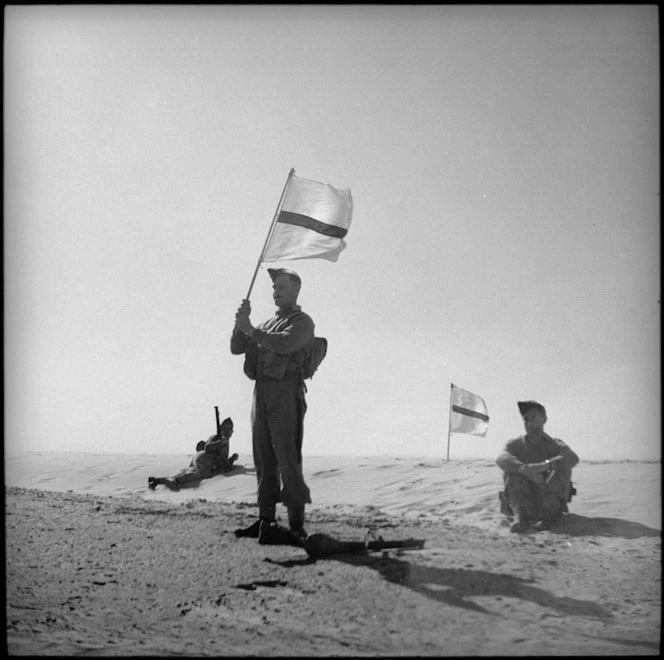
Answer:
[(573, 524)]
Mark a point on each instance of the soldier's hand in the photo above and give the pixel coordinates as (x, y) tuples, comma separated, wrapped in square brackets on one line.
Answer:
[(244, 308), (534, 471), (243, 323), (535, 468)]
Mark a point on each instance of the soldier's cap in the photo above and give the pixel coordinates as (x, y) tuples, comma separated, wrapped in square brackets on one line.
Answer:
[(227, 422), (525, 406), (275, 272)]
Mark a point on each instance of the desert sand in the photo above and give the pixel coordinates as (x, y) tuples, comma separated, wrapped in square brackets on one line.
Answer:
[(97, 564)]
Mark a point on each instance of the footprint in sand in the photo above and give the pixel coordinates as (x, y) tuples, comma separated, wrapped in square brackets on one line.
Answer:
[(326, 473)]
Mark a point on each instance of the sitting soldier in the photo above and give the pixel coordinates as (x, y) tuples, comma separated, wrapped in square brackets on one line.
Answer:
[(208, 462), (537, 473)]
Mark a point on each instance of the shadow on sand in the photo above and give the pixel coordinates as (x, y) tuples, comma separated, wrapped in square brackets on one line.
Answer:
[(455, 586), (575, 525), (238, 469)]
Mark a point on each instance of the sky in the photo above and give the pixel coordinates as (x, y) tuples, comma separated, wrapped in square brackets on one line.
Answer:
[(504, 167)]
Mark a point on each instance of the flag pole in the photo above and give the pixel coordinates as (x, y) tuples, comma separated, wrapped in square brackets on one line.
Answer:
[(269, 233), (449, 424)]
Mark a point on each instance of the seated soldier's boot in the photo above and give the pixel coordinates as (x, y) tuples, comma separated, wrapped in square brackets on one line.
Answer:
[(250, 532), (542, 525), (548, 519), (273, 534), (152, 483), (505, 508), (521, 524)]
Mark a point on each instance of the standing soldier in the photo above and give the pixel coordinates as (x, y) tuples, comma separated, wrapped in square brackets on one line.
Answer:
[(274, 358)]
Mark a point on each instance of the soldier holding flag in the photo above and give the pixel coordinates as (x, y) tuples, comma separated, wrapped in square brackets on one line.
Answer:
[(311, 221)]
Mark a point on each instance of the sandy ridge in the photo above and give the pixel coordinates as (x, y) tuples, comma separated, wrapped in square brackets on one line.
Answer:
[(101, 575)]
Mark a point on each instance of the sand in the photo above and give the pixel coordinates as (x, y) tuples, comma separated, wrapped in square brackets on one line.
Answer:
[(99, 565)]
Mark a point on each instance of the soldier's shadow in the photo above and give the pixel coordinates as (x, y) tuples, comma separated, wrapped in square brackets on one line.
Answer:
[(456, 586), (573, 524)]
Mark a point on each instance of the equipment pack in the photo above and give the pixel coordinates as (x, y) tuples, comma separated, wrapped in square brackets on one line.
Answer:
[(315, 352)]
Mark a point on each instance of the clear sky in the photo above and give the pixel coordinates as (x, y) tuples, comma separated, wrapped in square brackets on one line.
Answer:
[(504, 165)]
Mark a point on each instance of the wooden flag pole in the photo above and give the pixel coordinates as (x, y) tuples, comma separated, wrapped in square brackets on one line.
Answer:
[(269, 233), (449, 424)]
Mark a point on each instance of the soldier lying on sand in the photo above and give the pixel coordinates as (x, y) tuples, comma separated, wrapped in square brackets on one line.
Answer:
[(210, 460)]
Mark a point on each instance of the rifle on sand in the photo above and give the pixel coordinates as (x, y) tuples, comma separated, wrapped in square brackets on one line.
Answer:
[(323, 545)]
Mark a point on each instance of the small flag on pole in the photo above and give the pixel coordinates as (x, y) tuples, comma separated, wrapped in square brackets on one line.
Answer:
[(312, 222), (468, 413)]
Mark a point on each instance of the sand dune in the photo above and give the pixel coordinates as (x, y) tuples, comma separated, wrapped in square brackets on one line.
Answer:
[(98, 564), (417, 487)]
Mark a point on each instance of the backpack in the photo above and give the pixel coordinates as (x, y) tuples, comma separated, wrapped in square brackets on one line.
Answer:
[(314, 353)]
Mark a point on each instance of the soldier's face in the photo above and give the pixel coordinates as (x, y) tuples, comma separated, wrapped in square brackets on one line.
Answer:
[(284, 291), (534, 420)]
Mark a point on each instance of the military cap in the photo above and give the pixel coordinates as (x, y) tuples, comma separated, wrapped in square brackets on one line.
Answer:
[(525, 406), (227, 422), (275, 272)]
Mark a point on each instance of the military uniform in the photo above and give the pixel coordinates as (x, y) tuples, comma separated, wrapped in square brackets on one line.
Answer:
[(210, 460), (543, 500), (207, 463), (521, 495), (274, 357)]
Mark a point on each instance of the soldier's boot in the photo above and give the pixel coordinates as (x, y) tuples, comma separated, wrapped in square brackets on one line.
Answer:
[(297, 528), (296, 521), (521, 524), (250, 532), (270, 533)]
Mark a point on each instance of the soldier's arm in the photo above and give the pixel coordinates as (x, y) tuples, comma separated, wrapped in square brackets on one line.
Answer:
[(508, 459), (239, 342), (292, 338), (508, 462), (564, 456)]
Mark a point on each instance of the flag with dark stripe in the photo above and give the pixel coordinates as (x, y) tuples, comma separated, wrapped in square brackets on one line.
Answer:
[(468, 413), (312, 223)]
